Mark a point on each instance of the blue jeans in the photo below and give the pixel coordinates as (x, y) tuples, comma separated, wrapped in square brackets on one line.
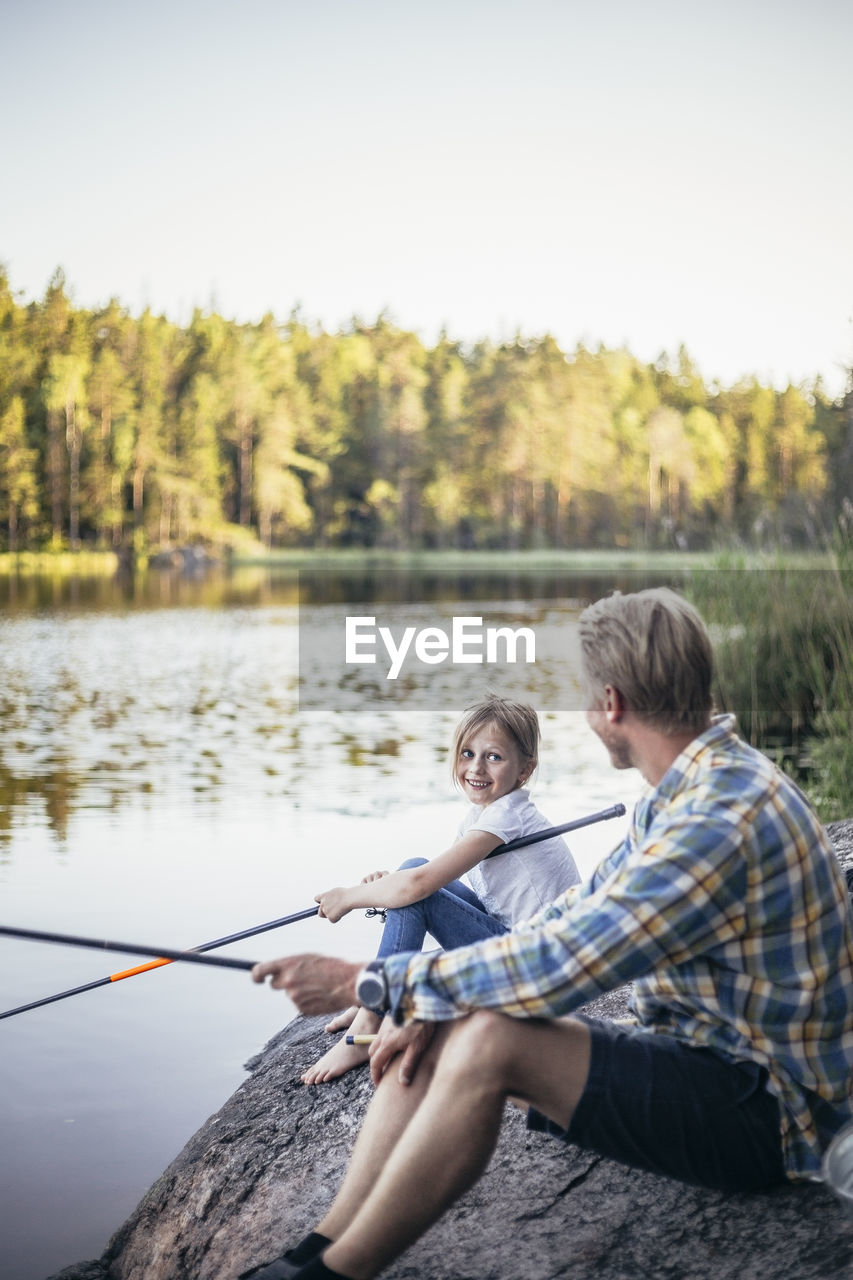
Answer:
[(453, 915)]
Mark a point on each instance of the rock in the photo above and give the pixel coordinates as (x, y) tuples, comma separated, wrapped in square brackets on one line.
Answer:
[(190, 560), (259, 1174), (841, 835)]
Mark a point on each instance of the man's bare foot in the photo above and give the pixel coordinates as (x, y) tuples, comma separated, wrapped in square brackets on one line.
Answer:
[(342, 1020), (337, 1061)]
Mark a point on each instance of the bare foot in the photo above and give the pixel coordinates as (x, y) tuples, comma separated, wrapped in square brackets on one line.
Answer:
[(342, 1057), (342, 1020)]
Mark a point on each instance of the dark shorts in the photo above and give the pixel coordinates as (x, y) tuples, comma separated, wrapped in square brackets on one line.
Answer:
[(656, 1103)]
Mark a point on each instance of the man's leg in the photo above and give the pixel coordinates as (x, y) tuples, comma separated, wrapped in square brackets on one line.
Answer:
[(439, 1141), (388, 1116)]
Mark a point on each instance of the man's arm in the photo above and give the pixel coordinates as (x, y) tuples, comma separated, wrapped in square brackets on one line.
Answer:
[(683, 893)]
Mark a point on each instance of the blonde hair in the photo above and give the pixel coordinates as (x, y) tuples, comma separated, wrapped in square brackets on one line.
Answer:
[(517, 720), (653, 647)]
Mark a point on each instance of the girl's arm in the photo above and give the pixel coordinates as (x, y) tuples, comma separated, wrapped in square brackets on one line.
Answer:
[(401, 888)]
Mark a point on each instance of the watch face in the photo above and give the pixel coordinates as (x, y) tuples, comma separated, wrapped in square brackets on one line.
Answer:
[(371, 990)]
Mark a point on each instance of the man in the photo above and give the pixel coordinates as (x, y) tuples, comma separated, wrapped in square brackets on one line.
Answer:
[(724, 906)]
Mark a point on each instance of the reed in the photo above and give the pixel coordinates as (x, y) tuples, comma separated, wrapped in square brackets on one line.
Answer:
[(784, 664)]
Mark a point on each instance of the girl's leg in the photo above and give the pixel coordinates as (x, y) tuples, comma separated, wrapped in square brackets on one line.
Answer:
[(401, 932), (406, 928), (454, 916), (343, 1020)]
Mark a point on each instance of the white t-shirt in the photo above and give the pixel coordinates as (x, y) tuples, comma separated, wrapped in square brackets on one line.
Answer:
[(515, 885)]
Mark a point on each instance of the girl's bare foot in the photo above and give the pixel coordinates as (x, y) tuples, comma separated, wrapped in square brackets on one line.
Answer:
[(342, 1057), (342, 1020)]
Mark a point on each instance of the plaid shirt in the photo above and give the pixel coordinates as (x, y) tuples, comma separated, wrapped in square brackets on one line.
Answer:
[(726, 908)]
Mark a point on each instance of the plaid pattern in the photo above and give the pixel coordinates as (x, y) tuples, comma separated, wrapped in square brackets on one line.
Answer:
[(726, 908)]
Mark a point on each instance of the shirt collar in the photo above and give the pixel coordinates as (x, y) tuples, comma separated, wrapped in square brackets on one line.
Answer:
[(721, 729)]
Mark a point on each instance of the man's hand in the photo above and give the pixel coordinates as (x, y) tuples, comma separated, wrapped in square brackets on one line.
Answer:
[(409, 1042), (315, 984), (374, 875)]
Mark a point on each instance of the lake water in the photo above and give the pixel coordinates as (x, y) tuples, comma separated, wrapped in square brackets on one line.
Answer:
[(165, 778)]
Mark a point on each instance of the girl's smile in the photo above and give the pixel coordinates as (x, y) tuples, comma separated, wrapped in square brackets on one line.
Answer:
[(490, 765)]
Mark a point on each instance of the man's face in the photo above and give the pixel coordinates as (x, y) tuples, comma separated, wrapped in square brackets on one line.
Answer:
[(610, 732)]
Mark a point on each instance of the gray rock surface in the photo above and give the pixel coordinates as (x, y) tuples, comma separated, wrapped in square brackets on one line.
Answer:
[(260, 1172)]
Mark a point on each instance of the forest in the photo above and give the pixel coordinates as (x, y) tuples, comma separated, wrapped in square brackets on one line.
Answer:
[(133, 432)]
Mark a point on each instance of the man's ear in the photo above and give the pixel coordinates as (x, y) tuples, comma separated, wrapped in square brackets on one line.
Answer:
[(614, 704)]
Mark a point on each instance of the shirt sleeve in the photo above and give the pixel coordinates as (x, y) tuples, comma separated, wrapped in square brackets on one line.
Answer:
[(681, 894), (501, 818)]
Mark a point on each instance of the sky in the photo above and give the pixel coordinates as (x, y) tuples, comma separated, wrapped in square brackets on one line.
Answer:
[(639, 175)]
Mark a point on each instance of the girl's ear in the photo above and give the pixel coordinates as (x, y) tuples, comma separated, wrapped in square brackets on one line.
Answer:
[(527, 771)]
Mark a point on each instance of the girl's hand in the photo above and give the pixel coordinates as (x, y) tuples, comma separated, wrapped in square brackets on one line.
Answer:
[(374, 875), (333, 904)]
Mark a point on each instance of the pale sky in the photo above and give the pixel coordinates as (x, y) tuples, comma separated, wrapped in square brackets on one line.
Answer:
[(638, 174)]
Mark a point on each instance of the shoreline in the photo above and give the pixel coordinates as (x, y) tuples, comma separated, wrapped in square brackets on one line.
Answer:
[(617, 560)]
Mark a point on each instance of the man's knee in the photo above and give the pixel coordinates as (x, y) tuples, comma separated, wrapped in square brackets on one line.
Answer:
[(482, 1042), (503, 1051), (412, 862)]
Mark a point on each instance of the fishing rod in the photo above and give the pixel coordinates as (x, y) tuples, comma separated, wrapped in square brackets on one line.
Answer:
[(136, 948), (161, 960), (521, 842), (604, 815), (194, 955)]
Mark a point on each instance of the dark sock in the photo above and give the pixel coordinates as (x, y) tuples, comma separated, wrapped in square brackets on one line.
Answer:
[(317, 1270), (308, 1248)]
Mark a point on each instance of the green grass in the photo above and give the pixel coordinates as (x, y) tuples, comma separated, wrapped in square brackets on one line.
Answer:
[(784, 663)]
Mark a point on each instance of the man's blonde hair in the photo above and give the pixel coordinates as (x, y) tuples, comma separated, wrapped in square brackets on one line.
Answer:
[(653, 647), (517, 720)]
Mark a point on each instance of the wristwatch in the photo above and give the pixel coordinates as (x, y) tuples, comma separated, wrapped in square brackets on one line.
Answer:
[(371, 988)]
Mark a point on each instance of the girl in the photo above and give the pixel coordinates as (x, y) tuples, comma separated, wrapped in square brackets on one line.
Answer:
[(495, 751)]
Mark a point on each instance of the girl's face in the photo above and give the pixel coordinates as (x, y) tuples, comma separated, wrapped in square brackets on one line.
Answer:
[(490, 765)]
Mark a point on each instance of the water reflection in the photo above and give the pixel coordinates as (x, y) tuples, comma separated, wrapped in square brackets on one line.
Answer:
[(51, 794), (161, 686), (160, 780), (255, 585), (27, 594), (97, 707)]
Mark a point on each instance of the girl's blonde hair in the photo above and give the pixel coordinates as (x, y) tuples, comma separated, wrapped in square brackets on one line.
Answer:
[(517, 720)]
